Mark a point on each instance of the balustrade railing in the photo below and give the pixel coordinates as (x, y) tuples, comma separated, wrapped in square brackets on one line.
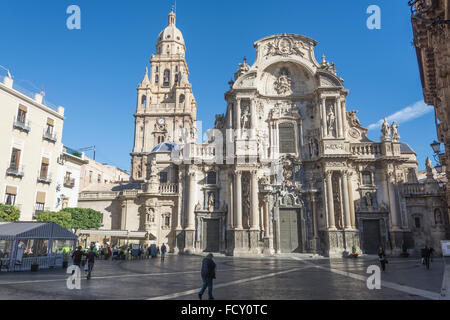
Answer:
[(366, 149)]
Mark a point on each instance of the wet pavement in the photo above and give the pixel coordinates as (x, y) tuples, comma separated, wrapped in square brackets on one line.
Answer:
[(277, 278)]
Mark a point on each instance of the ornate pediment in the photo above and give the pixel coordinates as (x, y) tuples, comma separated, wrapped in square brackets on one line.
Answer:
[(285, 109), (284, 46)]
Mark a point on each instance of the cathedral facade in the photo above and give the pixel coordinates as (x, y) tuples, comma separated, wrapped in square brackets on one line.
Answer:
[(288, 167)]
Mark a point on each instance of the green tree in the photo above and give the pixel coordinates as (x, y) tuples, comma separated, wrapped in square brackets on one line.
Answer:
[(64, 219), (84, 218), (9, 213)]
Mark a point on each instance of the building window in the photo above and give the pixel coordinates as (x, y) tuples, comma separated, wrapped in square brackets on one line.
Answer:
[(437, 216), (417, 222), (211, 177), (176, 78), (176, 68), (166, 80), (156, 78), (10, 195), (287, 138), (163, 177), (99, 179), (90, 176), (144, 100), (40, 203), (43, 173), (367, 178), (182, 98), (15, 159), (22, 114), (49, 127), (156, 69), (167, 221)]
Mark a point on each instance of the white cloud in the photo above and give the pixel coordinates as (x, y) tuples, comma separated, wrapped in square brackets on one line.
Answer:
[(409, 113)]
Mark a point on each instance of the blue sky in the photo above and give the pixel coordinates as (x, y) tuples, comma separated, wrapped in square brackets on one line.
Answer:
[(94, 72)]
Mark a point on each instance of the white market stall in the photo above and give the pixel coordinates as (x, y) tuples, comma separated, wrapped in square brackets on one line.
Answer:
[(27, 245)]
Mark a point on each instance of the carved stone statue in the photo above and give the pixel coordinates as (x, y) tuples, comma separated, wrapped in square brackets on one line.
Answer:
[(245, 117), (395, 135), (330, 121), (220, 121), (353, 119), (211, 202), (198, 206), (368, 198), (385, 130), (283, 85), (153, 169)]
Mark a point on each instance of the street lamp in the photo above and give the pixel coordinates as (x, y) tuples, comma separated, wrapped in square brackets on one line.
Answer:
[(436, 146)]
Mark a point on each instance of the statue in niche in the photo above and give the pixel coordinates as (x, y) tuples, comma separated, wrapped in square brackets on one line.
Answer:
[(245, 118), (313, 147), (330, 121), (150, 215), (368, 199), (153, 168), (211, 202)]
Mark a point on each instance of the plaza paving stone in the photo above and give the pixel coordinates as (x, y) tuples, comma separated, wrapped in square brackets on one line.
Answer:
[(279, 278)]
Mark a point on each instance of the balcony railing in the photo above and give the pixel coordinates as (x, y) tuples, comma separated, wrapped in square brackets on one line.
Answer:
[(15, 170), (366, 149), (69, 182), (168, 188), (44, 177), (50, 136), (22, 125)]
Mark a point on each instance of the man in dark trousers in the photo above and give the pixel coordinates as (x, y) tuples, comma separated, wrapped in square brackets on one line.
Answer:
[(208, 274), (91, 255), (163, 251), (76, 256)]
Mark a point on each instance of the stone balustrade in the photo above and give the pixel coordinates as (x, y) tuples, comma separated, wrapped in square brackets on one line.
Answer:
[(168, 188), (103, 195), (366, 149)]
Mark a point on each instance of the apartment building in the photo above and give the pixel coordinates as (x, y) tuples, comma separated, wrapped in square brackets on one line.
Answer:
[(30, 144), (70, 164), (96, 173)]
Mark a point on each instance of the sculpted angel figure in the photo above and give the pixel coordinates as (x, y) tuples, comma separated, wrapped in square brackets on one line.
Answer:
[(330, 121), (395, 135)]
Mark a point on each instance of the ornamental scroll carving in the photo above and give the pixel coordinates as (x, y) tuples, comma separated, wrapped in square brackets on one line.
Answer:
[(284, 46)]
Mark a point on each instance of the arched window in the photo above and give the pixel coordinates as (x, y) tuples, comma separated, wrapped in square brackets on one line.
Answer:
[(182, 98), (176, 78), (156, 78), (166, 80), (144, 100), (287, 138), (437, 216), (211, 177)]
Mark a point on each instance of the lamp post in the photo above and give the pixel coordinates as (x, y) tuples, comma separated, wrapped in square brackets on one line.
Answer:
[(436, 146)]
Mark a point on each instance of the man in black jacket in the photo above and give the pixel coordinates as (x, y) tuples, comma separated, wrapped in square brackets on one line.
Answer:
[(208, 274), (76, 256)]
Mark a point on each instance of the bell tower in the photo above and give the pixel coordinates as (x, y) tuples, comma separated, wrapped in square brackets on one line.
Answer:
[(166, 107)]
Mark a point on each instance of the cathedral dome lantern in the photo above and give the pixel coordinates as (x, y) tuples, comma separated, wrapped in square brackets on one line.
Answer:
[(171, 34)]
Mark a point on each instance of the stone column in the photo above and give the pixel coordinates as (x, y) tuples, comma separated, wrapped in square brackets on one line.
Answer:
[(238, 200), (331, 222), (345, 201), (323, 107), (182, 195), (266, 218), (315, 222), (338, 110), (254, 210), (344, 115), (123, 220), (230, 202), (237, 117), (190, 225), (253, 120), (392, 203), (350, 199)]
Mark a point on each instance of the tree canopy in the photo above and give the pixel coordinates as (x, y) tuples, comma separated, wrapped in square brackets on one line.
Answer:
[(64, 219), (84, 218), (9, 213)]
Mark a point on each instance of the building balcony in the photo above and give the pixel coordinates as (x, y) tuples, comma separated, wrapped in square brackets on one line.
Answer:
[(15, 170), (69, 183), (168, 188), (21, 125), (44, 178), (49, 137)]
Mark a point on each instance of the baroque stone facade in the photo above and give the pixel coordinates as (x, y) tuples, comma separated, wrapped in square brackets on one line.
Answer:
[(286, 169)]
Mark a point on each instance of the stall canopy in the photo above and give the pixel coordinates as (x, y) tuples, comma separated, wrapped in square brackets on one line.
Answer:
[(34, 230)]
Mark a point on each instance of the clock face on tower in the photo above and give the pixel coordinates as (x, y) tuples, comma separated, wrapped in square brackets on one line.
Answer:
[(161, 121)]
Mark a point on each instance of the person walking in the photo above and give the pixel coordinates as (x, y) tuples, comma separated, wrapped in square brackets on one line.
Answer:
[(382, 258), (427, 255), (153, 250), (208, 274), (163, 252), (77, 255), (90, 257)]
